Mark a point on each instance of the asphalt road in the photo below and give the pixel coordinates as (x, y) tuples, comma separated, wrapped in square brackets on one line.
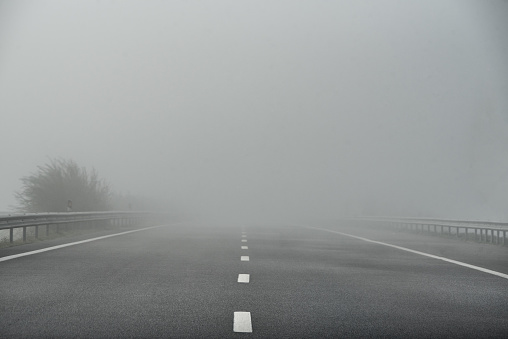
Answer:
[(181, 281)]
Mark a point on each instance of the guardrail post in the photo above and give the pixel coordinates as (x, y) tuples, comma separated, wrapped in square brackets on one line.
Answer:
[(11, 235), (24, 234)]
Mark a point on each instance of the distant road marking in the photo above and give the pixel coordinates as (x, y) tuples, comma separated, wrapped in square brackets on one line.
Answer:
[(244, 236), (242, 322), (245, 247), (10, 257), (243, 240), (481, 269), (243, 278), (244, 258)]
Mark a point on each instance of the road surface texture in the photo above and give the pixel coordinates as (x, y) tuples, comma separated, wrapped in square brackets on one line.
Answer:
[(193, 280)]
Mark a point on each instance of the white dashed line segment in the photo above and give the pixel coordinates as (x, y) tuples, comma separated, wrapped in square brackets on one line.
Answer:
[(242, 322), (244, 278)]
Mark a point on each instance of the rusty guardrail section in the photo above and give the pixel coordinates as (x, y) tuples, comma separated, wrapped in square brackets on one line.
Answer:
[(480, 231), (76, 219)]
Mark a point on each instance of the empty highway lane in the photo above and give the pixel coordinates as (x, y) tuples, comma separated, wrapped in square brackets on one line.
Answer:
[(195, 280)]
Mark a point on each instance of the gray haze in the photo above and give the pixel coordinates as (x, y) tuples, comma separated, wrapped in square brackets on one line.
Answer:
[(264, 109)]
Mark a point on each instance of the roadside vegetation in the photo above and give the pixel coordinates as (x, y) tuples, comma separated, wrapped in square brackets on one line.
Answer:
[(61, 186)]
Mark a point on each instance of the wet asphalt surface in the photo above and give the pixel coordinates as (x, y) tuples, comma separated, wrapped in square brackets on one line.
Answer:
[(180, 281)]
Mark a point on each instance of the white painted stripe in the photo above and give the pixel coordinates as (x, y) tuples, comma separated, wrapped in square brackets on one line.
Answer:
[(10, 257), (245, 247), (242, 322), (244, 278), (244, 236), (244, 258), (243, 240), (481, 269)]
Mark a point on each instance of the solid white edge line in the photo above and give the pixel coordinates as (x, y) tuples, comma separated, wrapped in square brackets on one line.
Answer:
[(481, 269), (245, 247), (244, 278), (14, 256), (244, 258), (242, 322)]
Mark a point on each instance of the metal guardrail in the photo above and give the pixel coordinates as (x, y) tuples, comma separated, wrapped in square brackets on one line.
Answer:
[(83, 219), (480, 231)]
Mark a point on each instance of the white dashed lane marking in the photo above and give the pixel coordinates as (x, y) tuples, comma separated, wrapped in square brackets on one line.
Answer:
[(242, 322), (244, 278)]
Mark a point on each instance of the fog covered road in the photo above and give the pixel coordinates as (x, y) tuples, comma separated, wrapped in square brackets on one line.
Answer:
[(182, 281)]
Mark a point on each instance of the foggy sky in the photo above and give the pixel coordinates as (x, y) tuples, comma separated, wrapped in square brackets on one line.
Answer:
[(264, 109)]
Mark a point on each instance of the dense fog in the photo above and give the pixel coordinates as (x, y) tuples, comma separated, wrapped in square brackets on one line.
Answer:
[(264, 110)]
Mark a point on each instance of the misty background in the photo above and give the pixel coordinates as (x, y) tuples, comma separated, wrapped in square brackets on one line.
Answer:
[(264, 109)]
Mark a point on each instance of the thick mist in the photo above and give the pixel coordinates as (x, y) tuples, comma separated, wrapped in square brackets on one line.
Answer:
[(264, 110)]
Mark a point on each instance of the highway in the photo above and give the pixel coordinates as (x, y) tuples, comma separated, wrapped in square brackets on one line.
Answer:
[(199, 280)]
